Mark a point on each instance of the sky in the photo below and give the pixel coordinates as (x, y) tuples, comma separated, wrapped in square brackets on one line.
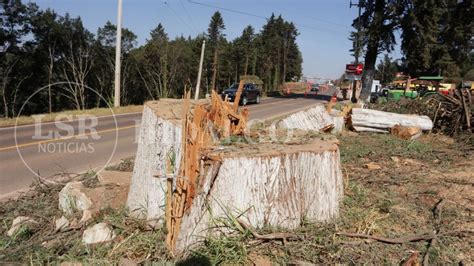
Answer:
[(324, 25)]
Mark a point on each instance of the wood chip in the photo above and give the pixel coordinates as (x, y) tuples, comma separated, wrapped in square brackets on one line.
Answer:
[(372, 166)]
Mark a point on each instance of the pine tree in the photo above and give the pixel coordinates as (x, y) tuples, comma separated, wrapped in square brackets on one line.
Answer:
[(378, 22), (247, 38), (215, 35), (386, 70), (436, 37)]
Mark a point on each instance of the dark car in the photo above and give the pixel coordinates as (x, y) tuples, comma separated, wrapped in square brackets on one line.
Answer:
[(314, 87), (250, 93)]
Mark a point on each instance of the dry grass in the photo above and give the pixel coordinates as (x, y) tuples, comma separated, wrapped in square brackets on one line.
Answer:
[(40, 244), (25, 120), (397, 200)]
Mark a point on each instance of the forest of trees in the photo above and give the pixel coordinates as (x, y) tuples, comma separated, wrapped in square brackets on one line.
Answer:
[(40, 47), (436, 37)]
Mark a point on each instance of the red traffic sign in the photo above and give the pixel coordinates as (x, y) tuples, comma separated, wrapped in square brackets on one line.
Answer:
[(353, 69)]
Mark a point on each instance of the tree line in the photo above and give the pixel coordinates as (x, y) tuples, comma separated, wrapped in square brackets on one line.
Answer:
[(436, 38), (43, 49)]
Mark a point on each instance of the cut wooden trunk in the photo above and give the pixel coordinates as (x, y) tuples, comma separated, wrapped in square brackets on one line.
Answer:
[(269, 185), (278, 185), (159, 138), (379, 121), (314, 118)]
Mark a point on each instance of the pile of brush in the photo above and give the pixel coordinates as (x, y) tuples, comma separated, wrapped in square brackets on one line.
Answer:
[(451, 114)]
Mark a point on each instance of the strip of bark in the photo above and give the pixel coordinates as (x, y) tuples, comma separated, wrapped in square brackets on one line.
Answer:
[(268, 237), (399, 240), (410, 238)]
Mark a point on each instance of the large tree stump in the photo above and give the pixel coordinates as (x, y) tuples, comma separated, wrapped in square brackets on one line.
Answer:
[(159, 138), (266, 184), (269, 185)]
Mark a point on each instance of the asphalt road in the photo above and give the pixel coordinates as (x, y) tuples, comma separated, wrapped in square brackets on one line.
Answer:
[(90, 145)]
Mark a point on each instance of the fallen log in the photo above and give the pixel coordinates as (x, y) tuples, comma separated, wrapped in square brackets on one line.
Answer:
[(374, 120), (316, 118)]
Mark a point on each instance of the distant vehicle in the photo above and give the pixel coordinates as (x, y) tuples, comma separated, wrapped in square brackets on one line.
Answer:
[(376, 91), (250, 93), (315, 87)]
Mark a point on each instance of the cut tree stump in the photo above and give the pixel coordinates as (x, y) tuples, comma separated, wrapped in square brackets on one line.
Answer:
[(273, 185), (379, 121), (159, 139)]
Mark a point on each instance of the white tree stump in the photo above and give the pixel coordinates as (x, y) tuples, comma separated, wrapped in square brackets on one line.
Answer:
[(159, 137), (270, 185)]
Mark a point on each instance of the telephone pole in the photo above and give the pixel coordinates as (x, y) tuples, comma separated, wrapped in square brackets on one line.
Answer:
[(198, 85), (118, 52), (357, 48)]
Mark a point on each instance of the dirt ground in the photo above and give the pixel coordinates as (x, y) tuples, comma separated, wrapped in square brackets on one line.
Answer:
[(393, 188)]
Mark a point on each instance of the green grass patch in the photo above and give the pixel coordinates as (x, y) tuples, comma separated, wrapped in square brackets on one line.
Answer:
[(383, 146)]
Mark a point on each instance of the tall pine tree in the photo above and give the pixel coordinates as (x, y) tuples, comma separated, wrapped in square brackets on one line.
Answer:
[(215, 35)]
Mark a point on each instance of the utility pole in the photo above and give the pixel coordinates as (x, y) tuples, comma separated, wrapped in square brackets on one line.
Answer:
[(198, 85), (356, 52), (118, 53)]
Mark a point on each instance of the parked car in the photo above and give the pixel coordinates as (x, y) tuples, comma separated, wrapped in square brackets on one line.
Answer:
[(250, 93)]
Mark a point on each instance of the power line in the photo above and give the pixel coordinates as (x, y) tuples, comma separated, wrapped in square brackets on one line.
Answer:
[(179, 17), (227, 9), (260, 16), (187, 14), (327, 22)]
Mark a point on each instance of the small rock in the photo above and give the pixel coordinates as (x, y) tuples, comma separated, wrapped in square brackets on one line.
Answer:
[(127, 262), (70, 263), (412, 162), (72, 197), (87, 215), (114, 178), (18, 222), (99, 233), (372, 166), (395, 159), (61, 224)]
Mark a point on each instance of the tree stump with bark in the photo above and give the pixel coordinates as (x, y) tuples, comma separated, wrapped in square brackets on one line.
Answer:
[(190, 179)]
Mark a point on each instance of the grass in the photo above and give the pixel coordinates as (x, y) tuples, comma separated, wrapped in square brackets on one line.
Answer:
[(394, 201), (40, 245), (25, 120), (362, 145)]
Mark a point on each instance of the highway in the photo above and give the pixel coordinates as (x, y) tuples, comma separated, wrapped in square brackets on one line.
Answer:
[(91, 145)]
